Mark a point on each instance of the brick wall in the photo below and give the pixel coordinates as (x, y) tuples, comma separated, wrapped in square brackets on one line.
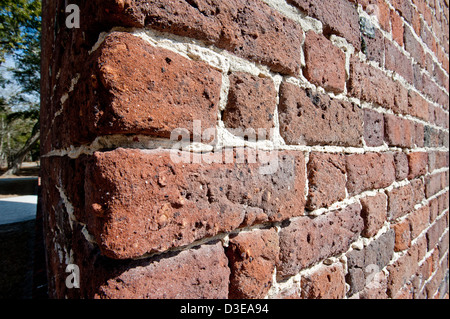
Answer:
[(246, 149)]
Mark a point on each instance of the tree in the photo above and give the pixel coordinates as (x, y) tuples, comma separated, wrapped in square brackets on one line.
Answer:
[(20, 32)]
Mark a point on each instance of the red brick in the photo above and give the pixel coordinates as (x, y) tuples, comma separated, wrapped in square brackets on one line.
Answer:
[(433, 184), (306, 240), (338, 17), (401, 271), (247, 28), (325, 63), (326, 179), (402, 235), (419, 220), (311, 118), (417, 162), (414, 47), (196, 273), (374, 214), (401, 166), (398, 62), (418, 187), (418, 106), (419, 135), (437, 160), (252, 258), (251, 103), (328, 282), (434, 208), (404, 7), (435, 232), (161, 83), (398, 131), (372, 85), (373, 128), (401, 201), (143, 201), (373, 46), (369, 171), (397, 27)]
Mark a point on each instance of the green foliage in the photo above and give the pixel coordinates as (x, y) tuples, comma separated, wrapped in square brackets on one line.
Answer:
[(20, 35)]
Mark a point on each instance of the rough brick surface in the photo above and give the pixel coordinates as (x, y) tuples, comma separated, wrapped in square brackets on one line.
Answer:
[(418, 162), (253, 256), (374, 214), (138, 101), (327, 282), (373, 128), (306, 241), (402, 235), (183, 198), (326, 180), (338, 16), (308, 118), (369, 171), (398, 131), (247, 28), (365, 263), (196, 273), (325, 63), (251, 103)]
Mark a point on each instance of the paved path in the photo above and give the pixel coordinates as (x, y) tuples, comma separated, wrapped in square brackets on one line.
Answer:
[(17, 209)]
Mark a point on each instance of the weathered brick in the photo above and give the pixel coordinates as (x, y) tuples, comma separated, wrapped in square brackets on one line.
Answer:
[(419, 220), (196, 273), (375, 289), (327, 282), (252, 258), (417, 163), (418, 106), (311, 118), (338, 17), (373, 128), (401, 166), (247, 28), (418, 187), (373, 47), (146, 201), (433, 184), (404, 7), (419, 135), (251, 103), (402, 235), (306, 240), (398, 131), (326, 179), (369, 171), (398, 62), (437, 160), (431, 136), (372, 85), (401, 201), (414, 47), (435, 232), (401, 271), (365, 263), (397, 27), (325, 63), (374, 214), (161, 82)]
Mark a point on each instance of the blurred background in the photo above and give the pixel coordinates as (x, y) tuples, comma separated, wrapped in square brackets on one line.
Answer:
[(20, 34)]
